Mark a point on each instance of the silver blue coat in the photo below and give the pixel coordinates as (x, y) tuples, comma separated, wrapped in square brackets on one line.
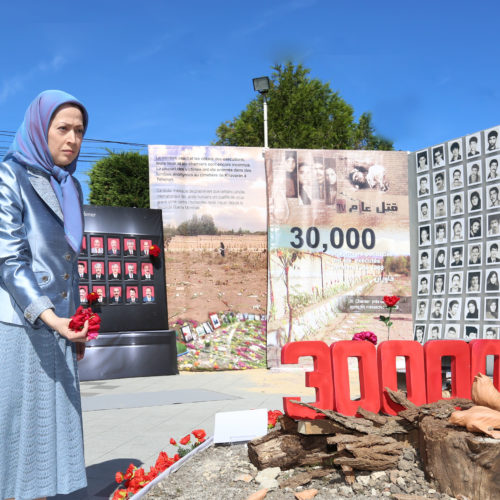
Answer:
[(38, 268)]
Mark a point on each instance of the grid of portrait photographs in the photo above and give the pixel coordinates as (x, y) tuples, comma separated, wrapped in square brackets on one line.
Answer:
[(458, 238), (118, 268)]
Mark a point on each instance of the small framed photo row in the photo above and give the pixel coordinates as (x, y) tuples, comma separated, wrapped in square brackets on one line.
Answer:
[(114, 270), (471, 333), (474, 253), (115, 294), (455, 284), (492, 198), (423, 185), (424, 211), (422, 161), (147, 271), (83, 291), (456, 177), (419, 334), (114, 246), (97, 246), (101, 293), (148, 294), (492, 169), (473, 145), (491, 281), (457, 230), (84, 248), (129, 247), (130, 271), (472, 308), (474, 173), (492, 142), (438, 156), (494, 224), (492, 254), (490, 332), (214, 319), (83, 270), (97, 270), (455, 151), (422, 309), (131, 295), (491, 309), (452, 331), (457, 204)]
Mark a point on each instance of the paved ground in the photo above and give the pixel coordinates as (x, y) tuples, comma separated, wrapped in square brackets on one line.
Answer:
[(132, 420)]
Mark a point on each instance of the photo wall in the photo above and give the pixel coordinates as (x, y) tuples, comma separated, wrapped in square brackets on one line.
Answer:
[(455, 238), (115, 262), (338, 242)]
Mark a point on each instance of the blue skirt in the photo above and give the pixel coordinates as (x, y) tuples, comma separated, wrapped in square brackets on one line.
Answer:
[(41, 433)]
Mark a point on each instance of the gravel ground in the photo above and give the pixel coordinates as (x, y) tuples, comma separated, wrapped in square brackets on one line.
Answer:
[(222, 472)]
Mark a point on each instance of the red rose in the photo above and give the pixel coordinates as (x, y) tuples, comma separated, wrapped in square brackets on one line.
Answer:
[(199, 433), (119, 477), (176, 457), (391, 301), (92, 297), (173, 442), (154, 250), (185, 440)]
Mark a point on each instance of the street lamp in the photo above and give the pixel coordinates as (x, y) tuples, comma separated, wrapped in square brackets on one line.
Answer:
[(262, 85)]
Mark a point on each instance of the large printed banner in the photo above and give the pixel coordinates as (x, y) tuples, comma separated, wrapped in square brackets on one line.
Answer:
[(214, 214), (338, 242)]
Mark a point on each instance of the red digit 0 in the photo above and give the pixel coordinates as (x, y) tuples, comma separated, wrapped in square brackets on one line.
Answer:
[(479, 349)]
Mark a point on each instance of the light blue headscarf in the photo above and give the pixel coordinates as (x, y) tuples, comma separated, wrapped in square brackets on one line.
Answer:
[(30, 147)]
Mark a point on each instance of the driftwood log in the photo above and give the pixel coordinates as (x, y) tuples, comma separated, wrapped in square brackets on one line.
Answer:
[(460, 462)]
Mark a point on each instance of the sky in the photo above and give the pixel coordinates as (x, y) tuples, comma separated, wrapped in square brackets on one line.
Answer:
[(163, 72)]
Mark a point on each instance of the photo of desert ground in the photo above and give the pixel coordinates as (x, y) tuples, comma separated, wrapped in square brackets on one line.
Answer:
[(201, 281)]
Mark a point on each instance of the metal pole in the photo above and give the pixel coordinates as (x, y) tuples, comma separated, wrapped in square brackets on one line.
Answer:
[(265, 121)]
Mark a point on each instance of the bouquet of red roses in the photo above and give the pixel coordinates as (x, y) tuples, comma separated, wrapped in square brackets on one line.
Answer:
[(78, 320)]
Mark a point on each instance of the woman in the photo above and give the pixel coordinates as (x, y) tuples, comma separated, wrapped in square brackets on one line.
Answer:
[(472, 311), (492, 282), (491, 308), (440, 259), (475, 201), (41, 229), (291, 174)]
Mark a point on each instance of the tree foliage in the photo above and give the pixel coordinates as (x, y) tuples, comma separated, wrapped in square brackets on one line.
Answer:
[(197, 225), (120, 180), (304, 113)]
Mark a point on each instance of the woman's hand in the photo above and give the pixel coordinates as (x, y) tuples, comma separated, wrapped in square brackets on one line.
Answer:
[(61, 326)]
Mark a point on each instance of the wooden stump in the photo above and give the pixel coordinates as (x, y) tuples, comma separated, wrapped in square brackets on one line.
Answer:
[(462, 463)]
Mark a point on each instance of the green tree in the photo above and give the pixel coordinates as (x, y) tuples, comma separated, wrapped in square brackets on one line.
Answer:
[(197, 225), (120, 180), (303, 113)]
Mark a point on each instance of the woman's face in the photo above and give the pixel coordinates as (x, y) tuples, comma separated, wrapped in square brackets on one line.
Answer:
[(493, 306), (474, 200), (493, 278), (440, 257), (65, 135), (472, 307), (290, 164)]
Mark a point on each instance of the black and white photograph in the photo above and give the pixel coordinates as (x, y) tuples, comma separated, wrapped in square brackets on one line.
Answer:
[(440, 208), (455, 151), (472, 308), (438, 284), (440, 258), (474, 173), (422, 311), (424, 236), (475, 202), (457, 256), (423, 186), (457, 230), (438, 156), (439, 182), (457, 204), (455, 284), (492, 256), (473, 281), (454, 309), (419, 335), (452, 331), (491, 309), (423, 284), (494, 224), (440, 235), (456, 177), (492, 199), (491, 281), (434, 332), (473, 145), (492, 169), (490, 332), (291, 174), (424, 211), (471, 333), (474, 253), (475, 230), (424, 260), (437, 309), (492, 142), (422, 161)]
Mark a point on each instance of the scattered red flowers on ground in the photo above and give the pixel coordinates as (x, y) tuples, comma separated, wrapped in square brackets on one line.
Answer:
[(135, 478), (78, 321), (154, 250), (391, 300), (272, 418), (92, 297), (370, 336)]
